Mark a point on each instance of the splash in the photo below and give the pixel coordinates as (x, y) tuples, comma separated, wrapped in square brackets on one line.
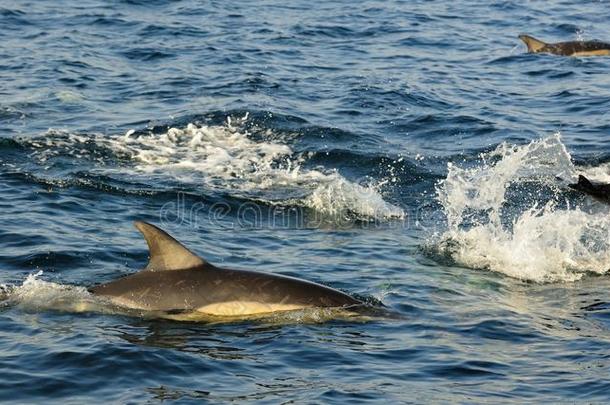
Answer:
[(531, 235), (226, 158), (36, 294)]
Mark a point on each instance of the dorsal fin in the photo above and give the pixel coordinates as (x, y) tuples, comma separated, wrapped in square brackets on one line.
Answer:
[(533, 44), (585, 185), (166, 253), (583, 181)]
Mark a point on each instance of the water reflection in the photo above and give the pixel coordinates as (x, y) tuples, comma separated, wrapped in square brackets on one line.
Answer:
[(206, 340)]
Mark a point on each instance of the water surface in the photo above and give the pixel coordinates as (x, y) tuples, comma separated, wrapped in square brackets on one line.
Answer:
[(408, 152)]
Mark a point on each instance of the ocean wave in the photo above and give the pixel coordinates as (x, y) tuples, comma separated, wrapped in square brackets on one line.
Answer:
[(226, 159)]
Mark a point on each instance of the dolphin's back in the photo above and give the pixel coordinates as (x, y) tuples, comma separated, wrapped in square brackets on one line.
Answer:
[(218, 291), (569, 48), (578, 47), (176, 279), (596, 190)]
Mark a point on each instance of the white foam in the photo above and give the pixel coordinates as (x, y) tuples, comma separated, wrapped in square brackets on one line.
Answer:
[(226, 159), (599, 173), (35, 294), (542, 243), (68, 96)]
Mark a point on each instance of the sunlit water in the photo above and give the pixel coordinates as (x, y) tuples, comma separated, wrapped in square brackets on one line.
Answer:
[(405, 152)]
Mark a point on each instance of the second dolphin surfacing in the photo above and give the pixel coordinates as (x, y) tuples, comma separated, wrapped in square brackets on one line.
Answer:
[(178, 282), (599, 191), (570, 48)]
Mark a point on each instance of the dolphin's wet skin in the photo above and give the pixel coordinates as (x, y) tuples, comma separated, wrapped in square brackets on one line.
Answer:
[(179, 284), (375, 202), (597, 191)]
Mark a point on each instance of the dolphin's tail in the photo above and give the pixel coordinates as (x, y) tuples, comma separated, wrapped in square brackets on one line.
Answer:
[(533, 45)]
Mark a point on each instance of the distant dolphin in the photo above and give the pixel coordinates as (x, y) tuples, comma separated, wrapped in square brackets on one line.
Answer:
[(571, 48), (598, 191), (176, 281)]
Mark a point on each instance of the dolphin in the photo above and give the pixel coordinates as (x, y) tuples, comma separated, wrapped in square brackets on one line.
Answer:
[(599, 191), (176, 281), (571, 48)]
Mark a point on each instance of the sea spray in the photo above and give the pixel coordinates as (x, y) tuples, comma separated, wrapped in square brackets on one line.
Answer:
[(36, 294), (540, 240), (226, 159)]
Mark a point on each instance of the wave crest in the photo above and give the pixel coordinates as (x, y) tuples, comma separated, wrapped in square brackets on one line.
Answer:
[(225, 159)]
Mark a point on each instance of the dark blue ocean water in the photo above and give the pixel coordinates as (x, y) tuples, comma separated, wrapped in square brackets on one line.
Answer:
[(404, 151)]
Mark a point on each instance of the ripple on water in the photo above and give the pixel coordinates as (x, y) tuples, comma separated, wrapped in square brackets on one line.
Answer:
[(497, 275)]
